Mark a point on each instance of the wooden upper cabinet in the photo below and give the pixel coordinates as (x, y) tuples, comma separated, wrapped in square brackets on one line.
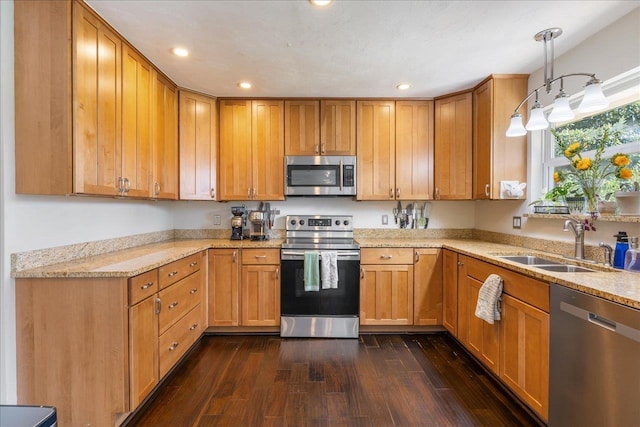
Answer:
[(137, 83), (251, 150), (495, 156), (198, 146), (376, 141), (414, 150), (97, 122), (165, 139), (267, 157), (235, 181), (302, 128), (453, 147), (338, 127)]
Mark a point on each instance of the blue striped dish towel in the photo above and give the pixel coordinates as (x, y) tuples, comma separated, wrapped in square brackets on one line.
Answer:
[(487, 307), (311, 272)]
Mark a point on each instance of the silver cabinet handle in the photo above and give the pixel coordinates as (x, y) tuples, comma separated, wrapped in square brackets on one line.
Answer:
[(193, 264), (173, 273), (322, 150), (146, 285), (437, 195), (127, 185), (193, 327), (156, 188), (248, 193), (486, 190), (386, 256), (173, 345), (158, 305), (417, 256), (234, 256), (361, 273), (391, 193), (317, 150), (277, 273), (260, 256), (193, 291), (120, 184), (213, 193), (397, 192), (172, 305), (341, 172), (255, 194), (460, 264)]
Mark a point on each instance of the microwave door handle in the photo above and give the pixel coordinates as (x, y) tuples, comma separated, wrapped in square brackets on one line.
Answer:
[(340, 175)]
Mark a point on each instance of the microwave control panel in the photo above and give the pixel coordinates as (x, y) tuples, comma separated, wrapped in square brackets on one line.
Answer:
[(348, 176)]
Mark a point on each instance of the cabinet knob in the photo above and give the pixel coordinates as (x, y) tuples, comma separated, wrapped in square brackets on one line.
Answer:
[(193, 327), (193, 291), (460, 264), (193, 264), (213, 193), (172, 305), (487, 190), (173, 346), (173, 273), (146, 285)]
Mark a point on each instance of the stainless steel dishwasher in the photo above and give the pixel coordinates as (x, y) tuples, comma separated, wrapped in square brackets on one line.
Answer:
[(594, 372)]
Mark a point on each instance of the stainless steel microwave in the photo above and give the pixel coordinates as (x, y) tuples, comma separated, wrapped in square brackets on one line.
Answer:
[(320, 175)]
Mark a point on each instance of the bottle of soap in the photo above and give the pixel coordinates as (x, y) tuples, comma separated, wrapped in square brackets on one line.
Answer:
[(622, 245), (632, 257)]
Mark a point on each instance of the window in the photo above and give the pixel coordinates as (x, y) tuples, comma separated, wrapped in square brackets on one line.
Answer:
[(623, 120)]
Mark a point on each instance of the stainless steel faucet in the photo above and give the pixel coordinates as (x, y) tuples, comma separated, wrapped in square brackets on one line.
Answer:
[(578, 230), (607, 253)]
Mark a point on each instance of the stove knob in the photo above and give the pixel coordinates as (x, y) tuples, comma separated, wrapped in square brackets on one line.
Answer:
[(293, 222), (302, 222), (345, 222), (337, 222)]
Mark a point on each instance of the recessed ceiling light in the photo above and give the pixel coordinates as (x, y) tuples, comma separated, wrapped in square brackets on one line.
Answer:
[(180, 51), (320, 2), (245, 85), (403, 86)]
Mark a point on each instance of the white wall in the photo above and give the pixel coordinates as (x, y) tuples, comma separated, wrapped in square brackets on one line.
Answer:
[(608, 53), (34, 222)]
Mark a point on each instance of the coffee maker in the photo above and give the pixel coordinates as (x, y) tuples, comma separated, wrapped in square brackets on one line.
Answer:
[(261, 222), (238, 222)]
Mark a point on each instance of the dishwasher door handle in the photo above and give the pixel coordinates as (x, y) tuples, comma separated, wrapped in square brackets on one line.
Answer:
[(603, 322)]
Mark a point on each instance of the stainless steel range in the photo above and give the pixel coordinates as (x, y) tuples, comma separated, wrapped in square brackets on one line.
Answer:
[(324, 311)]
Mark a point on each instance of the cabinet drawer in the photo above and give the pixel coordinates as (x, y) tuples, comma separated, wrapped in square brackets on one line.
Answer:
[(261, 256), (178, 299), (180, 269), (527, 289), (386, 256), (177, 339), (143, 286)]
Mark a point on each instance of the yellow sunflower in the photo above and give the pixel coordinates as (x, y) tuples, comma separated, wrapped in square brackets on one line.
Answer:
[(620, 160), (625, 173), (583, 164)]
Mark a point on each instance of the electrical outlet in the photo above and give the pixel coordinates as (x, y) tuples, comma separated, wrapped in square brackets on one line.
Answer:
[(517, 222), (385, 219), (216, 220)]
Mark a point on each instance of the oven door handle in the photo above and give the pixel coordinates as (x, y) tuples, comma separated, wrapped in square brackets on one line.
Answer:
[(301, 253)]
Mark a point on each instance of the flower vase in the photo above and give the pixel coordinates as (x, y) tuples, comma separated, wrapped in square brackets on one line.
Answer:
[(590, 191)]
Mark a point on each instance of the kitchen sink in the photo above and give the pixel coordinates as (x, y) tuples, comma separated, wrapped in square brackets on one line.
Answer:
[(564, 268), (530, 260)]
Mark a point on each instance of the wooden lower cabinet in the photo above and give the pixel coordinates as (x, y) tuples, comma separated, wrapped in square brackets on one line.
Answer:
[(224, 286), (386, 295), (94, 348), (427, 287), (524, 359), (260, 287), (450, 291)]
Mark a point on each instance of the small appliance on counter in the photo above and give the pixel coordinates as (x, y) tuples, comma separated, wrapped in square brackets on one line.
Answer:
[(261, 221), (238, 222)]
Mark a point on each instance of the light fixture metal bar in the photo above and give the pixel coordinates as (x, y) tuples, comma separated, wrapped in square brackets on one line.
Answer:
[(533, 92)]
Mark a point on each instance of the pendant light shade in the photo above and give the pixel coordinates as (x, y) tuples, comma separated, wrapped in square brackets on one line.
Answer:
[(593, 99), (562, 111), (516, 128), (537, 121)]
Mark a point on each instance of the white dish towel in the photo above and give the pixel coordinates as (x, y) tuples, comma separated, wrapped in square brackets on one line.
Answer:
[(329, 269), (487, 307)]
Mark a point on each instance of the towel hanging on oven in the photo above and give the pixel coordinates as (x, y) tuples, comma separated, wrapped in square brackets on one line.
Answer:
[(329, 269), (311, 272)]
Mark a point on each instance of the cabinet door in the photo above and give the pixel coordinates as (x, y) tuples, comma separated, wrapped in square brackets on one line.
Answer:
[(143, 350), (478, 336), (414, 150), (453, 146), (376, 150), (302, 128), (97, 119), (137, 83), (386, 295), (224, 275), (450, 291), (260, 295), (267, 156), (427, 287), (524, 362), (198, 147), (235, 178), (165, 139), (482, 141), (338, 127)]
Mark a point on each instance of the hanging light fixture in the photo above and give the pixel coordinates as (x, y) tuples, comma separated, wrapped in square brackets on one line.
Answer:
[(593, 99)]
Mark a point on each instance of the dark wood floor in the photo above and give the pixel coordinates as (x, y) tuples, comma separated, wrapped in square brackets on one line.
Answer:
[(377, 380)]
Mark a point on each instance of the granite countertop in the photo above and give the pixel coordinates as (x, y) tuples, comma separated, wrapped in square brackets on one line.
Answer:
[(615, 285)]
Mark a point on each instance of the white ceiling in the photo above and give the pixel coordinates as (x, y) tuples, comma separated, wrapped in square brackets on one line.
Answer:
[(350, 48)]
